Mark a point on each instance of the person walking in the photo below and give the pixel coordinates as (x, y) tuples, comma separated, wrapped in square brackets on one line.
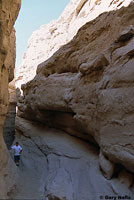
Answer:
[(17, 152)]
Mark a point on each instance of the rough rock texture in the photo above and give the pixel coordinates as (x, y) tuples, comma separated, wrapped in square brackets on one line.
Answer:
[(8, 13), (86, 90), (86, 87), (9, 125), (107, 167), (57, 166), (50, 37)]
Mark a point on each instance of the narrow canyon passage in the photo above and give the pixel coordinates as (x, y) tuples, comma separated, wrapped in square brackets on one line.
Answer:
[(32, 173), (77, 77), (55, 165)]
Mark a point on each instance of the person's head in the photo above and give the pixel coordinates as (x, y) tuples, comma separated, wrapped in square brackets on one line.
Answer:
[(17, 143)]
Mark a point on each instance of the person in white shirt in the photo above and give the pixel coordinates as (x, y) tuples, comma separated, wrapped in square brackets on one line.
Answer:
[(17, 152)]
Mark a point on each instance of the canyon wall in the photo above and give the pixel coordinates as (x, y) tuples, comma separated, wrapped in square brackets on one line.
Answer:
[(55, 165), (50, 37), (9, 125), (84, 91), (8, 14)]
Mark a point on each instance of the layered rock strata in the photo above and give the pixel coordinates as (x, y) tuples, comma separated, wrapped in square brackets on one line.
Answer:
[(8, 14), (86, 89), (50, 37), (88, 84)]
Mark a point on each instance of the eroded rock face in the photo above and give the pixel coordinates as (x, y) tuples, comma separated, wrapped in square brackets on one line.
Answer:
[(8, 13), (50, 37), (93, 99), (86, 90), (57, 166)]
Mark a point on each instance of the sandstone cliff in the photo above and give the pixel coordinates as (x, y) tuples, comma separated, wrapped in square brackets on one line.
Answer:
[(84, 89), (50, 37), (8, 14)]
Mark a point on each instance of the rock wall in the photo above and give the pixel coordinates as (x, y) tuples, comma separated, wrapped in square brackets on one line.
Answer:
[(81, 85), (8, 14), (56, 165), (9, 125), (86, 90), (50, 37)]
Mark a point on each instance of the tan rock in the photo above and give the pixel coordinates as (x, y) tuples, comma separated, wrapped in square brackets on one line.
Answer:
[(96, 65), (8, 14), (50, 37), (98, 104), (126, 34)]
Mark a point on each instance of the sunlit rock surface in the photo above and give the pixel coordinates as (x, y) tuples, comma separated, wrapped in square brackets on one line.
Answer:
[(50, 37), (8, 13), (86, 90)]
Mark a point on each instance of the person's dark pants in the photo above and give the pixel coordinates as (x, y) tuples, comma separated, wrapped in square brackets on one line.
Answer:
[(16, 158)]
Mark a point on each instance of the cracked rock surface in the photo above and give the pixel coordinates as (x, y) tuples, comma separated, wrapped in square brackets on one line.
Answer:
[(88, 92), (55, 165)]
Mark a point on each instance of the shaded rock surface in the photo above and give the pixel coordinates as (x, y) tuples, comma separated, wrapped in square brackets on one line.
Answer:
[(9, 125), (56, 165), (8, 14)]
